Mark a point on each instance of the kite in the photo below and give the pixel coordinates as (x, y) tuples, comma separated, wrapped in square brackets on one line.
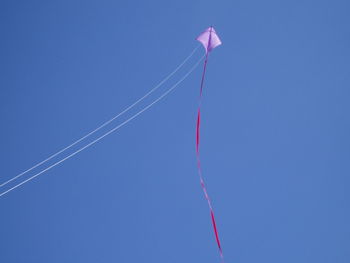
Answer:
[(209, 40)]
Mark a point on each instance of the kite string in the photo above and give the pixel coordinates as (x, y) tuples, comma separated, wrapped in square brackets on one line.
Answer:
[(105, 123), (109, 132), (199, 162)]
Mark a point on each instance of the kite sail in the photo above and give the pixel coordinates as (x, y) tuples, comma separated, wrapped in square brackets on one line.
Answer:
[(209, 40)]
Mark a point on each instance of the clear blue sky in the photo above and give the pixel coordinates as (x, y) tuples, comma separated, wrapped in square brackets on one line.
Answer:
[(275, 132)]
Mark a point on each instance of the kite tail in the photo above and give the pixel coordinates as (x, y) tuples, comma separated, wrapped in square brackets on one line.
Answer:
[(199, 163)]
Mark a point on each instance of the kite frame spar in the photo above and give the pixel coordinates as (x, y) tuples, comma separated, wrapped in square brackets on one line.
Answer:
[(105, 123)]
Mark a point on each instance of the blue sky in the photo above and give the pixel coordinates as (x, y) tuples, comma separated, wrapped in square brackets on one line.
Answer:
[(275, 131)]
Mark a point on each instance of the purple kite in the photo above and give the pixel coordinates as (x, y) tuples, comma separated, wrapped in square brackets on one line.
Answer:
[(210, 40)]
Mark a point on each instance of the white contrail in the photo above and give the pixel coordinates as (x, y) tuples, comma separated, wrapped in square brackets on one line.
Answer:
[(110, 131), (104, 124)]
